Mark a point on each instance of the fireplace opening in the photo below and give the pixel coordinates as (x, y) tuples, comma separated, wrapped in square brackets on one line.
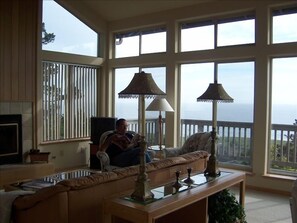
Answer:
[(11, 151)]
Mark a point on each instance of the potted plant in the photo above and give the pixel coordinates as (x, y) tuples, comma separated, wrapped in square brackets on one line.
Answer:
[(223, 207)]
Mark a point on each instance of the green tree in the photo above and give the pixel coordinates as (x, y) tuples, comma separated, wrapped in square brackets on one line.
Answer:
[(47, 37)]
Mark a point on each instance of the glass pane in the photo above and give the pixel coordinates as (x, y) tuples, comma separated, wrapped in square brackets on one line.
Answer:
[(238, 81), (195, 79), (197, 38), (235, 135), (284, 28), (127, 47), (284, 97), (235, 33), (153, 43), (125, 107), (159, 76), (152, 137), (283, 146), (71, 35), (67, 108)]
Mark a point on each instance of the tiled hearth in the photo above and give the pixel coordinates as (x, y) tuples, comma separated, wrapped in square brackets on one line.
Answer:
[(26, 110)]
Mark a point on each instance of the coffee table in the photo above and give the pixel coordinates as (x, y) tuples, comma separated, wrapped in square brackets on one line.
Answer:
[(187, 205)]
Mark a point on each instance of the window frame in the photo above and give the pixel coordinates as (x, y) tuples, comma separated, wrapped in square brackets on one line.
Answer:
[(139, 33), (215, 21), (279, 12), (71, 60)]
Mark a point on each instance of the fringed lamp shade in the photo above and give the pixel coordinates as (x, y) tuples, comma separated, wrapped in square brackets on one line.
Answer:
[(141, 84), (216, 92)]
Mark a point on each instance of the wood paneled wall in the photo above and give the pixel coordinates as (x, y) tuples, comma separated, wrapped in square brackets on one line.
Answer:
[(18, 45)]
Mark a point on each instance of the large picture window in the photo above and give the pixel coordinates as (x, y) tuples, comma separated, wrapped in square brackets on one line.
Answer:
[(283, 142), (235, 120)]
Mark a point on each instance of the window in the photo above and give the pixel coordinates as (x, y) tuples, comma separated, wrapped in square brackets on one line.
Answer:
[(283, 151), (140, 42), (236, 32), (71, 35), (284, 23), (128, 107), (69, 90), (69, 100), (237, 79), (210, 34), (197, 36), (153, 42), (125, 107)]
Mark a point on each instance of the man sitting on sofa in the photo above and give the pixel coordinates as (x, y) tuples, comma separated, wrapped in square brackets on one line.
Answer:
[(123, 150)]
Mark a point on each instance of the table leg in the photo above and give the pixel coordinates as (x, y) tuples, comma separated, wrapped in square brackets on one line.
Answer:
[(242, 193)]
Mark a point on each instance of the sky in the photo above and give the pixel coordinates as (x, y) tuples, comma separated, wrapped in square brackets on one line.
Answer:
[(72, 36)]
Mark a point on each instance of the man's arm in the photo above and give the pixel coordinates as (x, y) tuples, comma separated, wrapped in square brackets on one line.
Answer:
[(106, 142), (120, 140)]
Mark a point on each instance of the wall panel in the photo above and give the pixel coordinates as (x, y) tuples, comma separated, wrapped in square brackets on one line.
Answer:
[(18, 44)]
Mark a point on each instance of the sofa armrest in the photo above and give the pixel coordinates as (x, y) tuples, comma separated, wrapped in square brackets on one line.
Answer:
[(172, 152)]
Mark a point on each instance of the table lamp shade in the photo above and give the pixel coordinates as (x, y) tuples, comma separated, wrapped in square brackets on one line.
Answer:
[(159, 104), (141, 84), (216, 92)]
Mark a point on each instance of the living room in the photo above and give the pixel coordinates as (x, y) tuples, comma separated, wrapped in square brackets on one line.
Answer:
[(21, 59)]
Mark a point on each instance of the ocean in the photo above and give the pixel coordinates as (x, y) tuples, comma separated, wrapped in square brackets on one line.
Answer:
[(282, 114)]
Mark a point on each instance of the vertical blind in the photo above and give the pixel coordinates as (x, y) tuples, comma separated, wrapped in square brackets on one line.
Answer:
[(69, 100)]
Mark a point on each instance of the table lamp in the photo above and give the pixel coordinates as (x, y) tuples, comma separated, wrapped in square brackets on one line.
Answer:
[(142, 86), (215, 92), (160, 104)]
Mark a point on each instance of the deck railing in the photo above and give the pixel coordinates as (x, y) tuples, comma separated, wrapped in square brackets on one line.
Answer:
[(235, 142), (283, 149)]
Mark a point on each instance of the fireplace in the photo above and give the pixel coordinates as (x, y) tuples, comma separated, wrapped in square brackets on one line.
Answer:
[(11, 150)]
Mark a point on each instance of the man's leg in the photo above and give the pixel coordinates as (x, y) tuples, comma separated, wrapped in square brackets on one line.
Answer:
[(129, 158)]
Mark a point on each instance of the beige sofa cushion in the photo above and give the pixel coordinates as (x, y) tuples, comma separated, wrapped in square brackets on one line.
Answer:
[(89, 181), (197, 141), (28, 201)]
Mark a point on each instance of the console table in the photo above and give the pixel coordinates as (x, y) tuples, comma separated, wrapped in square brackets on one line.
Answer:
[(188, 205)]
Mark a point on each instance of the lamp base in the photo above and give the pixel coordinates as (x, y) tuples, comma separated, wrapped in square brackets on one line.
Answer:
[(142, 190), (212, 169)]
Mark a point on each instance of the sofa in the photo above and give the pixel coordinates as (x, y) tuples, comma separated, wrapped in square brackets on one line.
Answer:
[(197, 141), (81, 199)]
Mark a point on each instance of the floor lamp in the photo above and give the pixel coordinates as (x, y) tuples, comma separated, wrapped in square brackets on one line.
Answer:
[(160, 104), (215, 93), (142, 86)]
